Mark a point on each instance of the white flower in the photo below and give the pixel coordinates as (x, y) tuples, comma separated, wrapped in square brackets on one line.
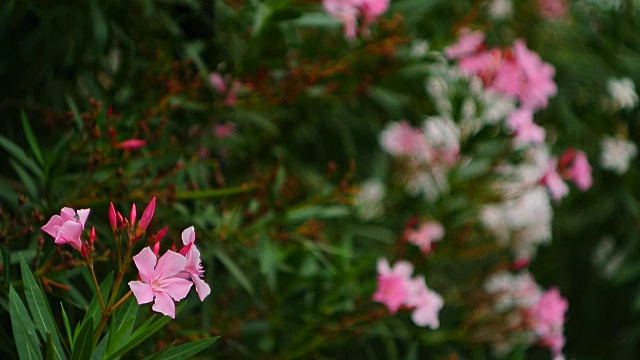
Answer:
[(500, 9), (623, 93), (369, 199), (616, 154)]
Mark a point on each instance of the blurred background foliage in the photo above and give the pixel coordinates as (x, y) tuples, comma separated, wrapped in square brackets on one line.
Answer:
[(291, 265)]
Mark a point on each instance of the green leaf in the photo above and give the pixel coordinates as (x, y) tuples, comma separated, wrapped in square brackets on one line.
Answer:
[(39, 307), (318, 19), (67, 326), (94, 312), (122, 324), (26, 180), (185, 351), (83, 346), (143, 332), (235, 271), (19, 154), (23, 331), (31, 138)]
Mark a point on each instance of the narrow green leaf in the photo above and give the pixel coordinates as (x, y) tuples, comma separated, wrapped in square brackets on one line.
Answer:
[(26, 180), (24, 333), (143, 332), (122, 324), (186, 351), (19, 154), (49, 348), (234, 270), (67, 326), (84, 343), (31, 138), (39, 308), (95, 311)]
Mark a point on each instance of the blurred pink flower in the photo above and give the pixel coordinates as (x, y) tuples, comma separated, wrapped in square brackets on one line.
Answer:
[(159, 280), (131, 144), (371, 9), (193, 269), (553, 181), (393, 284), (525, 130), (538, 85), (219, 83), (224, 130), (580, 170), (426, 303), (401, 139), (552, 9), (348, 12), (67, 227), (469, 42), (547, 318), (425, 235)]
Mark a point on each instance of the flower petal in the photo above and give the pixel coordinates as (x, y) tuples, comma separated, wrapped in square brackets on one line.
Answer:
[(169, 265), (164, 305), (177, 288), (52, 226), (70, 233), (143, 292), (188, 235), (145, 262), (67, 214), (83, 214), (202, 288)]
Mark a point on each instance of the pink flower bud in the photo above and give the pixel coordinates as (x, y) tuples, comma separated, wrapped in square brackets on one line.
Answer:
[(112, 217), (147, 215), (131, 144), (92, 236), (120, 219), (156, 248), (132, 215)]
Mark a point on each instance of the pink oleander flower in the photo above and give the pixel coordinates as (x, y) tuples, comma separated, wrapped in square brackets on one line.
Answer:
[(393, 284), (552, 9), (193, 269), (525, 130), (426, 303), (547, 318), (401, 139), (580, 170), (224, 130), (219, 83), (159, 280), (131, 144), (469, 42), (67, 227), (553, 181), (538, 84), (371, 9), (424, 237)]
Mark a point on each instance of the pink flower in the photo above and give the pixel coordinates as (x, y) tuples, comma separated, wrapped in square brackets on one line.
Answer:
[(347, 12), (547, 318), (67, 227), (371, 9), (193, 268), (426, 303), (220, 85), (159, 280), (393, 284), (217, 81), (580, 170), (538, 78), (469, 42), (557, 187), (525, 130), (131, 144), (224, 130), (425, 235), (552, 9), (401, 139)]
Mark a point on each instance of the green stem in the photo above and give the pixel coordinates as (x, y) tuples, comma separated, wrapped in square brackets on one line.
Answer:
[(96, 285)]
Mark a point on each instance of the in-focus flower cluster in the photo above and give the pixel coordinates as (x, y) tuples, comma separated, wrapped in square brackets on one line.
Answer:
[(165, 279), (396, 289)]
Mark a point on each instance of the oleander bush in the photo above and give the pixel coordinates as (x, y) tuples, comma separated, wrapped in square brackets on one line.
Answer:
[(334, 179)]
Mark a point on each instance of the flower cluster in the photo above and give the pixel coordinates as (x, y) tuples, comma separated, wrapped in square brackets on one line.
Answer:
[(397, 289), (165, 279), (348, 11), (535, 316), (425, 235)]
